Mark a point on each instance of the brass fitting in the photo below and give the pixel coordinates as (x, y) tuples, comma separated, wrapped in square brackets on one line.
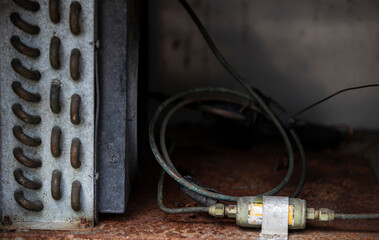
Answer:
[(326, 214), (231, 211), (323, 214), (217, 210), (312, 214)]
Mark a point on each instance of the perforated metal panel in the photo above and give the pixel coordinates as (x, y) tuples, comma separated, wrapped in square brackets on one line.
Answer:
[(47, 114)]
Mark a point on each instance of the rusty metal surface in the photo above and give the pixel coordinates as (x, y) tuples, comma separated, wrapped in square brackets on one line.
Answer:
[(337, 180)]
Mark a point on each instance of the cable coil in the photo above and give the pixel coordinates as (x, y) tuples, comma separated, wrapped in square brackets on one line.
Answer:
[(257, 102), (254, 96), (190, 97)]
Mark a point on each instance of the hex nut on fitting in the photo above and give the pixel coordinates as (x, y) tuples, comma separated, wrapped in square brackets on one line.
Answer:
[(326, 214), (217, 210), (311, 214), (231, 211)]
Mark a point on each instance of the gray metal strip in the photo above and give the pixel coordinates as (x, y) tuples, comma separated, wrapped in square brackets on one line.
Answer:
[(275, 218), (56, 214), (118, 78)]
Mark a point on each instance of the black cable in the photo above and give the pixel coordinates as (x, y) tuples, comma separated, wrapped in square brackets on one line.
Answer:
[(174, 210), (166, 165), (303, 164), (164, 159), (254, 96), (212, 46), (235, 74), (170, 169), (334, 94)]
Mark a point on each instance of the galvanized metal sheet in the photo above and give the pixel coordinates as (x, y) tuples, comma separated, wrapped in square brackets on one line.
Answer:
[(56, 214)]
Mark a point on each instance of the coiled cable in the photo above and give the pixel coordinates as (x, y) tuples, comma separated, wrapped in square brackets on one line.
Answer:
[(253, 97), (164, 160)]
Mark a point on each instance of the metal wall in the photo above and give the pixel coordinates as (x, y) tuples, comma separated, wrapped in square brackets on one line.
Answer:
[(295, 51)]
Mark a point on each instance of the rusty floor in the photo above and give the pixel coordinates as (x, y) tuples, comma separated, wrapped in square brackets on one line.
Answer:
[(338, 180)]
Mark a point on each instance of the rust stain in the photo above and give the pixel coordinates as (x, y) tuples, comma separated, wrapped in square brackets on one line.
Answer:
[(336, 180)]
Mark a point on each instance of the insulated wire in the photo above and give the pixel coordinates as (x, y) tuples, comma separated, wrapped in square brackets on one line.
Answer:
[(166, 156), (167, 164), (174, 210), (162, 134), (356, 216), (160, 194), (175, 174), (235, 74), (303, 164), (173, 169), (254, 96), (330, 96)]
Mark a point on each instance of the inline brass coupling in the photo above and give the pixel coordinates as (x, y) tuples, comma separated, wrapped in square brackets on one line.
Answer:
[(322, 214), (220, 210), (248, 212)]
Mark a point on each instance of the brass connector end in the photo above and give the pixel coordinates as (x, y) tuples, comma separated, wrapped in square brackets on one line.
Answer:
[(323, 214), (326, 214), (217, 210), (312, 214), (231, 211)]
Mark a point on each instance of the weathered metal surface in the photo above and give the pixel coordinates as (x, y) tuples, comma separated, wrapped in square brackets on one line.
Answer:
[(35, 127), (336, 180), (118, 79)]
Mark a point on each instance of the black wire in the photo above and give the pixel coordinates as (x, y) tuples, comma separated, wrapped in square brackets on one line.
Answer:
[(304, 164), (334, 94), (235, 74), (165, 163), (212, 46), (254, 96), (174, 210), (252, 92)]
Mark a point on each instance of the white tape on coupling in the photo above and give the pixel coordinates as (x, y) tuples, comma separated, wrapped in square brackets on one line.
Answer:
[(275, 218)]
